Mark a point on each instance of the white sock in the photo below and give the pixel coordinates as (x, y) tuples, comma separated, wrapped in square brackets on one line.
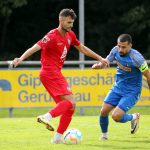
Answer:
[(105, 134), (57, 136), (134, 116), (48, 116)]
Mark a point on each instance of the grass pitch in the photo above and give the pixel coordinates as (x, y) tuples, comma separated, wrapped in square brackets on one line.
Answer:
[(27, 134)]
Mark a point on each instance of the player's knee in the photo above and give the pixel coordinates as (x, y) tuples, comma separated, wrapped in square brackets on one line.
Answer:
[(73, 106), (104, 112), (73, 102), (69, 112), (116, 117), (69, 98)]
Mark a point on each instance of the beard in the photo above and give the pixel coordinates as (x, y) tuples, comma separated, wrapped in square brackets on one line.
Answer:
[(66, 30), (122, 54)]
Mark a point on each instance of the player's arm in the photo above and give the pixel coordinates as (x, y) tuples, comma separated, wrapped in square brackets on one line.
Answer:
[(146, 72), (142, 65), (26, 54), (147, 75), (109, 58), (99, 65), (88, 52)]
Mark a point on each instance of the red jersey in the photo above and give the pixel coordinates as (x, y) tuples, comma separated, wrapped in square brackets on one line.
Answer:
[(54, 48)]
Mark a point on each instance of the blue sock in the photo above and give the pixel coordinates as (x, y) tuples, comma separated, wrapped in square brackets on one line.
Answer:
[(126, 117), (103, 122)]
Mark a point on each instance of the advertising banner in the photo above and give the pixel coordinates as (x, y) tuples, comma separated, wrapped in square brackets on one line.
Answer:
[(22, 88)]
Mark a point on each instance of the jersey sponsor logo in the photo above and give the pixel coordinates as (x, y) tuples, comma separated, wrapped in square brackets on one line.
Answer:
[(45, 39), (69, 41), (60, 43), (127, 69), (63, 56)]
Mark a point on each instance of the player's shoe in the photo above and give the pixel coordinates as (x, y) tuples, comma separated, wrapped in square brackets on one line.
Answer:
[(43, 120), (103, 138), (60, 141), (135, 123)]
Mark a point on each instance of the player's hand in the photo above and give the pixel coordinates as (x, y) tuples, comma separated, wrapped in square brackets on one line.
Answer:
[(102, 64), (16, 62), (105, 62), (97, 66)]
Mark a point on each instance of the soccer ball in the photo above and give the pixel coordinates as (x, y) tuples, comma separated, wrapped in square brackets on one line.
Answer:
[(72, 136)]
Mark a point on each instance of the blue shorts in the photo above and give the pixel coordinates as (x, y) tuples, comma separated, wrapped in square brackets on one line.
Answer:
[(124, 102)]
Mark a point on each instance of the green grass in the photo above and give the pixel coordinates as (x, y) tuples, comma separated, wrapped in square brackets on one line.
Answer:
[(31, 112), (27, 134)]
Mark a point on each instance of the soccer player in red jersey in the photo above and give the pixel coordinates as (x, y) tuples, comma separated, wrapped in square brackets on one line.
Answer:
[(54, 47)]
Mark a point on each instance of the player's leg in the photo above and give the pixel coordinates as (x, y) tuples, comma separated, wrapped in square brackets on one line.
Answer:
[(46, 118), (103, 120), (65, 104), (65, 119), (110, 102), (64, 122), (60, 88), (55, 87), (120, 112), (66, 116), (120, 115)]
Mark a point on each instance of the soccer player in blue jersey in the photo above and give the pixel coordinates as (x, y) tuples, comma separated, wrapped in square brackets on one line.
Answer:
[(127, 88)]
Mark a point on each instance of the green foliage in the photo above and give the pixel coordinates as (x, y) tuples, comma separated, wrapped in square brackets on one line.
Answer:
[(6, 6), (24, 22), (6, 10), (106, 22)]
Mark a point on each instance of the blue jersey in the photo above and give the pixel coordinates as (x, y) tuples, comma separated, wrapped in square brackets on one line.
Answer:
[(129, 75)]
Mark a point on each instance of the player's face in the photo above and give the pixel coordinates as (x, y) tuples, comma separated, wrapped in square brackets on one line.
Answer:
[(123, 47), (66, 23)]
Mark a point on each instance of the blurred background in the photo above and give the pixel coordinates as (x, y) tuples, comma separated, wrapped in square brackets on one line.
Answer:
[(24, 22)]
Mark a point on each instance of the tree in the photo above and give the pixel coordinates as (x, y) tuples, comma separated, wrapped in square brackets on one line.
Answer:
[(6, 9), (105, 22), (24, 22)]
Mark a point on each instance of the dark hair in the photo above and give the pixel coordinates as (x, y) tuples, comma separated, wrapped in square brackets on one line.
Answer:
[(67, 12), (125, 38)]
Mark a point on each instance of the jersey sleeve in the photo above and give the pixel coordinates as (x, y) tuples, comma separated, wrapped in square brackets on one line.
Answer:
[(139, 61), (111, 56), (75, 41), (44, 42)]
